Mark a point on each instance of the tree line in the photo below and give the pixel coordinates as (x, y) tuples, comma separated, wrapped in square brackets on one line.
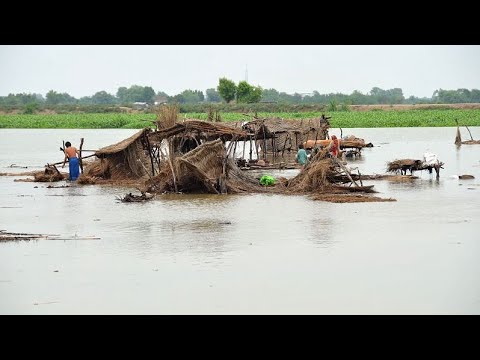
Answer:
[(243, 92)]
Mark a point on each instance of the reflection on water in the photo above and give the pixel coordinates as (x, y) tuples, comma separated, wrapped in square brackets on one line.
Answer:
[(320, 234), (258, 253)]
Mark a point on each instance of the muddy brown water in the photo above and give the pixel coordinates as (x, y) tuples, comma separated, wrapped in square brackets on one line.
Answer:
[(244, 254)]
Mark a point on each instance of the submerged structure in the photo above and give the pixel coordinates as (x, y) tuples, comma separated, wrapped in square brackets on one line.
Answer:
[(195, 156)]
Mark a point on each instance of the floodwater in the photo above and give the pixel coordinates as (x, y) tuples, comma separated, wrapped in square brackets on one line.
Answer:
[(244, 254)]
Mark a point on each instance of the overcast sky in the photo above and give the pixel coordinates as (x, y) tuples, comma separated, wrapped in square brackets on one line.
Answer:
[(82, 70)]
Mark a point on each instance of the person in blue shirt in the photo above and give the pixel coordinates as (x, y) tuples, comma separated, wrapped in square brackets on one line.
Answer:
[(301, 155)]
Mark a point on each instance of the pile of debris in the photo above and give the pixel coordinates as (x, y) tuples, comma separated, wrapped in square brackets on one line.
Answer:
[(50, 174), (194, 156), (430, 162)]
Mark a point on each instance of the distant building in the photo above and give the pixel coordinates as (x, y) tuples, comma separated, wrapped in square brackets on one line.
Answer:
[(140, 105), (160, 99)]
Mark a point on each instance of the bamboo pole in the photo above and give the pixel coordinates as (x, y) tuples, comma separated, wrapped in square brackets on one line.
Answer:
[(346, 171), (471, 137), (171, 168), (273, 149), (80, 159), (251, 147), (149, 153), (264, 143), (61, 162), (285, 143)]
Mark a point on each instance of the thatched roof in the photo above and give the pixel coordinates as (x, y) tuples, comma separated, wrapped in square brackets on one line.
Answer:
[(209, 129), (279, 125), (120, 146)]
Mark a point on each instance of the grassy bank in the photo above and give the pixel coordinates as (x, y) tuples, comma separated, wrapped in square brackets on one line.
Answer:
[(347, 119)]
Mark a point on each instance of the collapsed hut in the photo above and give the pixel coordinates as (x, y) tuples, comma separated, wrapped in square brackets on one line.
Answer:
[(279, 135), (192, 156), (209, 168), (195, 156), (125, 160)]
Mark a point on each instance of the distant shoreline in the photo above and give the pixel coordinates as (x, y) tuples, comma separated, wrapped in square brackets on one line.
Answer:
[(401, 107), (377, 117), (234, 108)]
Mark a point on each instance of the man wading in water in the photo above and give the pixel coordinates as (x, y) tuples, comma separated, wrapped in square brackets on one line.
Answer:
[(73, 164)]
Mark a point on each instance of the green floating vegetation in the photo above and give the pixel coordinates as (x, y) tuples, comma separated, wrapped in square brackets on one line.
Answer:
[(77, 121), (343, 119), (267, 180)]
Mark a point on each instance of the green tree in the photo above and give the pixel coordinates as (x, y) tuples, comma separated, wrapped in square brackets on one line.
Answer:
[(148, 95), (270, 95), (247, 93), (227, 89), (135, 93), (213, 95), (188, 97), (31, 108), (54, 98), (122, 93), (102, 97), (85, 100), (21, 99)]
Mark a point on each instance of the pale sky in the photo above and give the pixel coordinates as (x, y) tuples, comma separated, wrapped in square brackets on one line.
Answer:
[(82, 70)]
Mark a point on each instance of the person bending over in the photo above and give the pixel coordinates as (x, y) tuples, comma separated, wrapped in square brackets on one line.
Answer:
[(71, 153)]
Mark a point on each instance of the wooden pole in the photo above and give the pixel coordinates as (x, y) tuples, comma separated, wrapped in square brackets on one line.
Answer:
[(346, 171), (285, 143), (234, 148), (251, 147), (150, 153), (255, 140), (80, 159), (58, 172), (274, 148), (264, 143), (471, 137), (61, 162), (171, 168)]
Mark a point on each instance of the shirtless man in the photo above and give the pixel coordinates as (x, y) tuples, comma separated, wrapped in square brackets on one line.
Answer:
[(73, 164)]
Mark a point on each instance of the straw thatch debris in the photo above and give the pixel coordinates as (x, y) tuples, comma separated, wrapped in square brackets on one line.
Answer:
[(287, 133), (8, 236), (125, 160), (167, 116), (349, 198), (122, 145), (192, 157), (401, 166), (206, 169), (50, 174), (137, 198), (198, 129), (471, 142), (317, 174), (26, 173), (394, 178)]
